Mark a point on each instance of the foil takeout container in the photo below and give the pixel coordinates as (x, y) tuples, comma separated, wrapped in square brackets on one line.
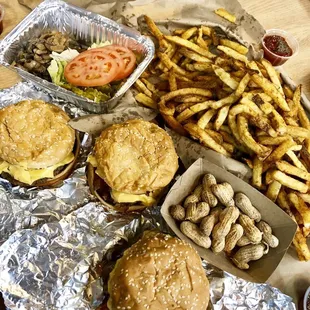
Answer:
[(85, 26)]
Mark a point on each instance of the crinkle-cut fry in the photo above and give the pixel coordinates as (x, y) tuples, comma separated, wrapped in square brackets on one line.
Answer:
[(289, 182), (232, 53), (245, 135), (174, 124), (196, 132), (287, 168), (190, 98), (271, 91), (221, 117), (193, 110), (273, 75), (192, 46), (142, 88), (172, 81), (147, 101), (298, 132), (201, 67), (257, 173), (273, 190), (225, 14), (180, 92), (225, 77), (235, 45), (155, 31), (266, 140), (301, 207), (295, 160), (193, 55), (189, 33), (288, 92), (205, 118), (278, 152)]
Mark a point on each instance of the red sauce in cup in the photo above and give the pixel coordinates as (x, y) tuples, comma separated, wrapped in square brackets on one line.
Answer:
[(1, 19), (278, 45)]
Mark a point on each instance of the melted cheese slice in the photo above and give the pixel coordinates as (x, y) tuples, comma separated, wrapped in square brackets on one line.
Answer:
[(121, 197), (29, 176)]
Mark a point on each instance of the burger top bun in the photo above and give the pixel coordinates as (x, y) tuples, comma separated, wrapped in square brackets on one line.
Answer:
[(159, 272), (35, 134), (136, 157)]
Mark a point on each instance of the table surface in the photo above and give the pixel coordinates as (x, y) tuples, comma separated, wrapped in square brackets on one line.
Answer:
[(291, 277)]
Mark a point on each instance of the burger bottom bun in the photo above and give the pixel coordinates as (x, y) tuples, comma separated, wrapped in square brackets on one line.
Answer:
[(159, 272), (101, 190), (61, 173)]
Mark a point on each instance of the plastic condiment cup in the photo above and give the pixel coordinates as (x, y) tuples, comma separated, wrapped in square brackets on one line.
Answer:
[(305, 301), (275, 59), (1, 18)]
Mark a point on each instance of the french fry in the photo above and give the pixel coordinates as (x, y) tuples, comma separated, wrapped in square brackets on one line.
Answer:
[(190, 98), (295, 160), (298, 132), (193, 55), (245, 135), (253, 65), (189, 33), (170, 64), (225, 14), (257, 172), (301, 246), (155, 31), (284, 203), (291, 121), (266, 140), (288, 92), (201, 67), (147, 101), (198, 133), (304, 197), (149, 85), (278, 153), (293, 109), (192, 110), (305, 156), (292, 170), (271, 91), (200, 41), (181, 107), (215, 136), (232, 53), (273, 190), (178, 32), (273, 75), (221, 117), (301, 207), (228, 147), (235, 46), (246, 101), (139, 84), (174, 124), (296, 148), (191, 46), (200, 84), (172, 81), (289, 182), (205, 118), (225, 77)]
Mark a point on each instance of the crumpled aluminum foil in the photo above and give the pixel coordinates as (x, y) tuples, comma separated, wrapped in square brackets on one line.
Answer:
[(60, 247)]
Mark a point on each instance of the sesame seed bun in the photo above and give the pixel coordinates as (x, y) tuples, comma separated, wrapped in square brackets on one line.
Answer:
[(136, 157), (159, 272), (35, 133)]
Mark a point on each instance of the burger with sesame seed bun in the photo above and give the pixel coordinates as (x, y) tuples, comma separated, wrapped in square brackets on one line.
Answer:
[(37, 146), (159, 272), (131, 164)]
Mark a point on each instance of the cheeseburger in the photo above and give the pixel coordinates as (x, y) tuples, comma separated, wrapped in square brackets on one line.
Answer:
[(37, 146), (131, 164), (159, 272)]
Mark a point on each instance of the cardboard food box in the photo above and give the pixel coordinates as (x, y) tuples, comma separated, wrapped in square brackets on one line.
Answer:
[(282, 225)]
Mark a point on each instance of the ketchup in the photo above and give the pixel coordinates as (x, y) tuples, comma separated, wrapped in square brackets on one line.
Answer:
[(278, 45)]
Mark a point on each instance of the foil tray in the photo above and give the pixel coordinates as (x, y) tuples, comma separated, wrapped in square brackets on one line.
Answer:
[(85, 26)]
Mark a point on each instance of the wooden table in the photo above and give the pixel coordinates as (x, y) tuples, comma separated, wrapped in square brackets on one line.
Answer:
[(292, 277)]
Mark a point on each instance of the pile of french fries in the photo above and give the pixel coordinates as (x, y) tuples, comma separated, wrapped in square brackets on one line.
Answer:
[(204, 86)]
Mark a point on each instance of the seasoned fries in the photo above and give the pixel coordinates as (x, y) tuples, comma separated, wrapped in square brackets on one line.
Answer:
[(225, 14), (205, 87)]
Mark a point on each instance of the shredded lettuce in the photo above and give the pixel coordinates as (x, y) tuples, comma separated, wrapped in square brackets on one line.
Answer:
[(101, 44), (66, 55)]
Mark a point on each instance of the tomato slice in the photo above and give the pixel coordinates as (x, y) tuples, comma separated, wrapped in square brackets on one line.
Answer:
[(91, 69), (115, 55), (129, 58)]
